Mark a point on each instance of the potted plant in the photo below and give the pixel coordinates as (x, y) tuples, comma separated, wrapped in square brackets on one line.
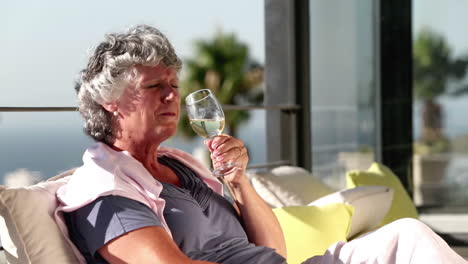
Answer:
[(435, 73)]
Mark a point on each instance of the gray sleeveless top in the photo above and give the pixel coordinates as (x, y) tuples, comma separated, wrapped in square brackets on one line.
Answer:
[(204, 224)]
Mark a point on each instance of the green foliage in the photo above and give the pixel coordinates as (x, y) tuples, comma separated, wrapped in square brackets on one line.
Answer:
[(433, 65), (222, 64), (435, 72)]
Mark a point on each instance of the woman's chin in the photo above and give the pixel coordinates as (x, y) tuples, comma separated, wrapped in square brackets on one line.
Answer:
[(165, 133)]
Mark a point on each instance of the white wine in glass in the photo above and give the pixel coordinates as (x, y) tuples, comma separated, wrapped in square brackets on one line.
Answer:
[(207, 120), (207, 128)]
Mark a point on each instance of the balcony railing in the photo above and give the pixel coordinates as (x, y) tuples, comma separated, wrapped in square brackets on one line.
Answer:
[(289, 108)]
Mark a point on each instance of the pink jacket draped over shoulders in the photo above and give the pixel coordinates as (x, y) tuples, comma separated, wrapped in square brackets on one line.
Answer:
[(109, 172)]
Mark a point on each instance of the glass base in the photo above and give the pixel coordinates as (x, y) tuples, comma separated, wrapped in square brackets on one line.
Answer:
[(220, 172), (225, 169)]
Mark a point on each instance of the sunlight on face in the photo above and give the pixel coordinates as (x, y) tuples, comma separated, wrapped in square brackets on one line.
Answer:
[(150, 106)]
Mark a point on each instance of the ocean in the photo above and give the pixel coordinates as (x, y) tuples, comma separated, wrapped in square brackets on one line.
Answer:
[(46, 148), (49, 143)]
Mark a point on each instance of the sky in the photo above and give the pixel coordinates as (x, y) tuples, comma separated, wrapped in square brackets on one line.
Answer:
[(45, 43), (447, 17)]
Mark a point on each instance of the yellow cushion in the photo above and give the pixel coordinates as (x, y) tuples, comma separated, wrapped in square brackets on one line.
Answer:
[(310, 230), (378, 174)]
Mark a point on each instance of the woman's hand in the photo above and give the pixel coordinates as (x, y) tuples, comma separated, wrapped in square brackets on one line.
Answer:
[(226, 149)]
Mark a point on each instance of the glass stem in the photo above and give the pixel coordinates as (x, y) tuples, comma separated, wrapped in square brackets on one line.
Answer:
[(229, 188)]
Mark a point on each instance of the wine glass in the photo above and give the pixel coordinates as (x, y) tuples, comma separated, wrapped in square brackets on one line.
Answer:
[(207, 120)]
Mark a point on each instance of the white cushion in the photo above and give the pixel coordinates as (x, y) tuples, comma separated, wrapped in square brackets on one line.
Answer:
[(28, 230), (288, 186), (371, 204)]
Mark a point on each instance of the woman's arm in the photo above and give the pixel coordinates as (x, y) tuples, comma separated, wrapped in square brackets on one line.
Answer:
[(145, 245), (261, 224)]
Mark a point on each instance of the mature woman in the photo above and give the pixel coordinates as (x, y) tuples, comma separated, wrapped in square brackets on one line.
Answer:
[(134, 201)]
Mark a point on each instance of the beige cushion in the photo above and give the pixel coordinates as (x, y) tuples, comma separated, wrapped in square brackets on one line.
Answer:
[(371, 204), (28, 231), (288, 186)]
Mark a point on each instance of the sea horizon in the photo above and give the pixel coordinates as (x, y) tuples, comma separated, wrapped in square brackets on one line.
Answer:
[(49, 143), (48, 150)]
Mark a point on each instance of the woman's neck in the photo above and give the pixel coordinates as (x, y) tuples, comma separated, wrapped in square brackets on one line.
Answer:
[(146, 154)]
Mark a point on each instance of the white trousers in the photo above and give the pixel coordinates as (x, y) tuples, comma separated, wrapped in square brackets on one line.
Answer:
[(403, 241)]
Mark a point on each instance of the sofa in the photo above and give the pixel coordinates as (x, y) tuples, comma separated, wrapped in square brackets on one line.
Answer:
[(313, 215)]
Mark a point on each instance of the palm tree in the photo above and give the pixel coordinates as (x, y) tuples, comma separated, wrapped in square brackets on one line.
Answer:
[(435, 71), (222, 64)]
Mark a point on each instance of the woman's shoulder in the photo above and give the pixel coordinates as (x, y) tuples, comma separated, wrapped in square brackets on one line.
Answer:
[(107, 218), (113, 205), (103, 174)]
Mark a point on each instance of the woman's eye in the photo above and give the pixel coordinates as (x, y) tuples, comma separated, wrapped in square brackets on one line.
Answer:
[(175, 86), (156, 85)]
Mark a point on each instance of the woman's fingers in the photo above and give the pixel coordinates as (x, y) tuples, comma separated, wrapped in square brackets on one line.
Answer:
[(219, 140), (227, 149), (222, 155)]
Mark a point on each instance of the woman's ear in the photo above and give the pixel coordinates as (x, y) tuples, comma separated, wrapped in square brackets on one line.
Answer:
[(110, 107)]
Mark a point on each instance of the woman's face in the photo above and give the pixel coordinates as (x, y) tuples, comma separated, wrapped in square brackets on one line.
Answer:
[(149, 108)]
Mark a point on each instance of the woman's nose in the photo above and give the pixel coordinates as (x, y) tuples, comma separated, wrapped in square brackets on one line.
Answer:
[(168, 94)]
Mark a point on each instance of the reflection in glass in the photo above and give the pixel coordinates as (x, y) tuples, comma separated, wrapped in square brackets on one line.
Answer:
[(440, 61), (343, 87)]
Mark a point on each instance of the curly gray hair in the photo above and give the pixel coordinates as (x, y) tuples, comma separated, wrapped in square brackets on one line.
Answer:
[(111, 68)]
